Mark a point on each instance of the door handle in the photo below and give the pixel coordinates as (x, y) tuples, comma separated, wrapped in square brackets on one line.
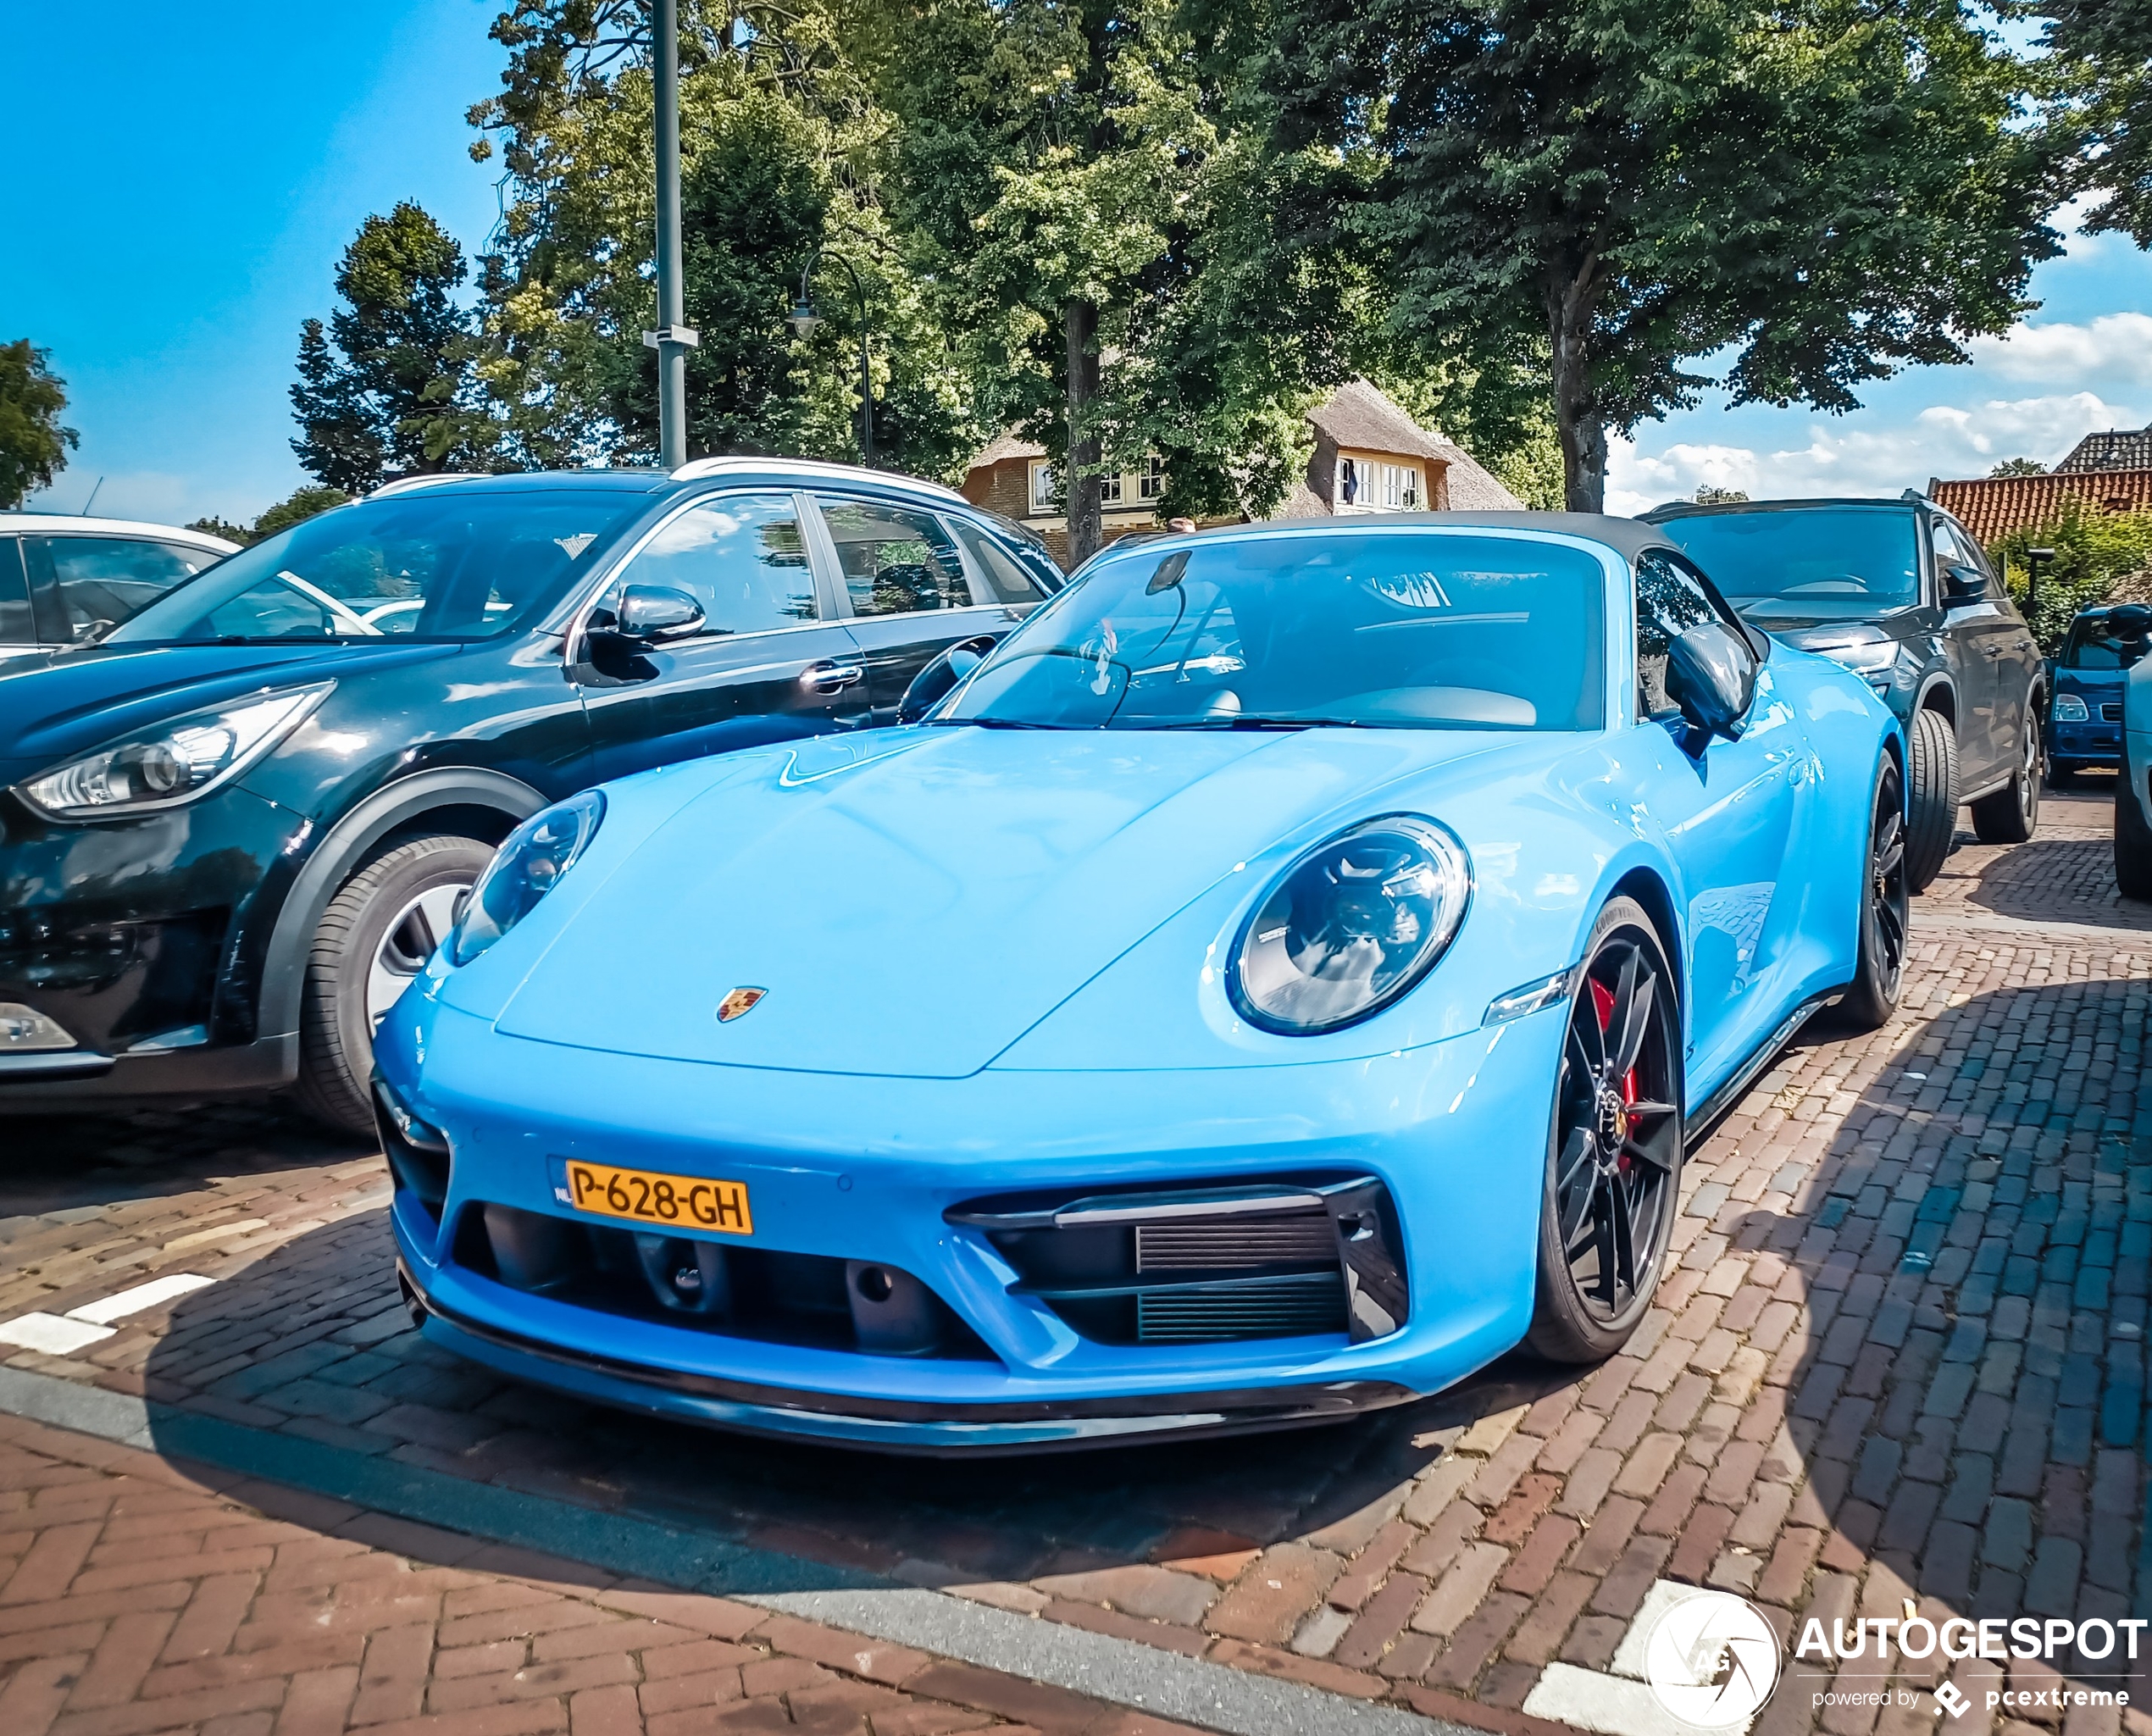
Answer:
[(831, 678)]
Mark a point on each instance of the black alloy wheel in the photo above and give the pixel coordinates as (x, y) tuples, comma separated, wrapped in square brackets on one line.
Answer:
[(1886, 907), (1614, 1159)]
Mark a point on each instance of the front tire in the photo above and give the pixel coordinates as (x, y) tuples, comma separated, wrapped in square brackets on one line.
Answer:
[(1613, 1172), (372, 940), (2133, 841), (1880, 973), (1932, 816), (2012, 814)]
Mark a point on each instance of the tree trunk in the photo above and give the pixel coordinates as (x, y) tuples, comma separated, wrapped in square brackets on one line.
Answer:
[(1578, 423), (1086, 517)]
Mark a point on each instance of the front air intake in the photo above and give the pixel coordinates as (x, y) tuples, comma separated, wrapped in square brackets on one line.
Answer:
[(1206, 1265)]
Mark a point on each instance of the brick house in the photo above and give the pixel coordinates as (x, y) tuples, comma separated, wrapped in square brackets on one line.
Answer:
[(1370, 456)]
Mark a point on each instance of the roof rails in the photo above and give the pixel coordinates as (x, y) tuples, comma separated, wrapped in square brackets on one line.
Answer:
[(697, 468), (404, 485)]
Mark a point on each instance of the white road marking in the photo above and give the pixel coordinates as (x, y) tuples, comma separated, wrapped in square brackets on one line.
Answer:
[(167, 1289), (55, 1334), (1616, 1702)]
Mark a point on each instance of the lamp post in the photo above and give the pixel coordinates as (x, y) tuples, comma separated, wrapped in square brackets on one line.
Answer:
[(673, 337), (804, 320), (2034, 559)]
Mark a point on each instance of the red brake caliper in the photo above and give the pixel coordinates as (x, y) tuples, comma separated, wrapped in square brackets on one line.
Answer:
[(1603, 1005)]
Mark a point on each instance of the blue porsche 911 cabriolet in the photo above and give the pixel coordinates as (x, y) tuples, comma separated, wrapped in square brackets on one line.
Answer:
[(1279, 978)]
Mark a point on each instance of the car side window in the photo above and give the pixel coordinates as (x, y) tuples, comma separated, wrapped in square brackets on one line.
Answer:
[(99, 581), (16, 627), (1669, 601), (739, 555), (1005, 576), (896, 560)]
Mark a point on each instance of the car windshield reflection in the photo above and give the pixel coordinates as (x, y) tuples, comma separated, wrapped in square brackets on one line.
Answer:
[(1385, 629)]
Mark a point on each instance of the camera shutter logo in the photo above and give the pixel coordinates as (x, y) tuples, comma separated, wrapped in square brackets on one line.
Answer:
[(1712, 1660)]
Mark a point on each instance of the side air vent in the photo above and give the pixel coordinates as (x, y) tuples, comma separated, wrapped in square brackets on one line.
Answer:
[(1206, 1265)]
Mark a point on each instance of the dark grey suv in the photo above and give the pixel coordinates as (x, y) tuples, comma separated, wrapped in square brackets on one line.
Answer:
[(1898, 592)]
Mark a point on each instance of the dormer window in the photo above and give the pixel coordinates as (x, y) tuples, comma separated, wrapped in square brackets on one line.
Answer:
[(1374, 485)]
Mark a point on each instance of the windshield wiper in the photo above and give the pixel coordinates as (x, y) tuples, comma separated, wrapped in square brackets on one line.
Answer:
[(1258, 720)]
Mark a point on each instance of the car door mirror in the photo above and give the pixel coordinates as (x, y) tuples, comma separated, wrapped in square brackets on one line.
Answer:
[(2132, 620), (939, 677), (651, 614), (1962, 585), (1712, 675)]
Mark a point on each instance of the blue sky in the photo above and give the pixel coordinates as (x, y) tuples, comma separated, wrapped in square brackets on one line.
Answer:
[(184, 192)]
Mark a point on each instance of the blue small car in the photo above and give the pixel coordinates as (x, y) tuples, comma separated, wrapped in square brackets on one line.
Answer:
[(1280, 977), (2085, 719)]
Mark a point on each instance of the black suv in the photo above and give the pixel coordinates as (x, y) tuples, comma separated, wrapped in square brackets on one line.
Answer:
[(231, 833), (1899, 593)]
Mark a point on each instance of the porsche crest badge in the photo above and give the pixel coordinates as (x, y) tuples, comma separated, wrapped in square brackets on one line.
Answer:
[(738, 1002)]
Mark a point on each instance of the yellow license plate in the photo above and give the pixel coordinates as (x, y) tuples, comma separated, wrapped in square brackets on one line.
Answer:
[(676, 1201)]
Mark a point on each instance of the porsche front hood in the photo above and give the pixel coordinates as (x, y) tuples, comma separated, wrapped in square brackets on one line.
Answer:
[(911, 903)]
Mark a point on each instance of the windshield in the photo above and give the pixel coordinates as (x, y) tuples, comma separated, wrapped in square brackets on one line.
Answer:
[(1835, 562), (436, 564), (2095, 644), (1401, 629)]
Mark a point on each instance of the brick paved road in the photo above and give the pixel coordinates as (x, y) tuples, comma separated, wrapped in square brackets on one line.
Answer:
[(136, 1597), (1902, 1359)]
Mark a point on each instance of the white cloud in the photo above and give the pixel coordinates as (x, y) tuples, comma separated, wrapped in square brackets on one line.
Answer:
[(2112, 349), (1945, 441)]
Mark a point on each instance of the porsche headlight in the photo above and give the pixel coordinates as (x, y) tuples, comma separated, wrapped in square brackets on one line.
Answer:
[(173, 763), (1351, 926), (2069, 708), (528, 865)]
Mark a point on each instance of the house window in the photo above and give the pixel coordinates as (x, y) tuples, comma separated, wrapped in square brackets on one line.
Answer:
[(1045, 487), (1109, 490), (1150, 481), (1368, 486)]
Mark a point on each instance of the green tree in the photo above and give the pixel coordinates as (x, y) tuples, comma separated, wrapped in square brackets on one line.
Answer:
[(302, 504), (33, 444), (2020, 466), (2093, 551), (2104, 50), (388, 387), (211, 525), (1825, 189), (782, 149)]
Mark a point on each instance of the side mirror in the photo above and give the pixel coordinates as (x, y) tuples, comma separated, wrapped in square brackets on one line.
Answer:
[(2130, 620), (1963, 584), (651, 614), (939, 677), (1712, 675)]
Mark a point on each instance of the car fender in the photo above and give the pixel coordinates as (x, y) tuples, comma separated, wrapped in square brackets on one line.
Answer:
[(343, 846)]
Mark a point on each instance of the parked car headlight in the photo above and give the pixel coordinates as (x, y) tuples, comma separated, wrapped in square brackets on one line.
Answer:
[(173, 763), (528, 865), (2069, 709), (1351, 926), (1870, 658)]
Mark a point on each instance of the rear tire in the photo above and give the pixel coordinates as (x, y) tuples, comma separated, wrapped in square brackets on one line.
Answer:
[(374, 937), (2012, 813), (1932, 816), (2132, 841), (1880, 973), (1612, 1182)]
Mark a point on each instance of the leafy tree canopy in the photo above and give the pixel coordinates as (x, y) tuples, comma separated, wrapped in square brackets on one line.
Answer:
[(33, 444), (2104, 47), (388, 387), (1818, 191), (300, 505), (2020, 466)]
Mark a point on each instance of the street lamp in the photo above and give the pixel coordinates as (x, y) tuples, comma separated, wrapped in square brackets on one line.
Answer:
[(2034, 559), (804, 320), (673, 337)]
